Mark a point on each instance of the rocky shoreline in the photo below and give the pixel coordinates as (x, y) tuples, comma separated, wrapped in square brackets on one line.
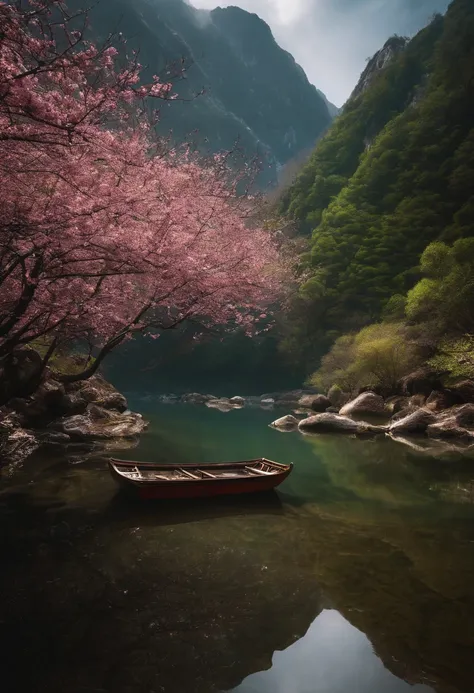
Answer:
[(92, 416), (89, 415), (423, 408)]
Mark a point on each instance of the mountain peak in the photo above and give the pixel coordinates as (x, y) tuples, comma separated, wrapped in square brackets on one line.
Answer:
[(391, 49), (250, 89)]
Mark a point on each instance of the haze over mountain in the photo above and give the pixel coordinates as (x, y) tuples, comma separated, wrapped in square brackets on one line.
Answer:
[(331, 39), (254, 91)]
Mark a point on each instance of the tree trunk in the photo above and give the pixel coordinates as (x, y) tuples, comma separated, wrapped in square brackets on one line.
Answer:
[(21, 374)]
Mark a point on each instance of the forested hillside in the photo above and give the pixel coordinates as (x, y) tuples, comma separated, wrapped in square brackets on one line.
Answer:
[(393, 174)]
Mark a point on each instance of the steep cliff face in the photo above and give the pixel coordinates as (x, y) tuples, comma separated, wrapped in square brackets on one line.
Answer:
[(254, 91), (393, 80), (333, 110), (392, 48)]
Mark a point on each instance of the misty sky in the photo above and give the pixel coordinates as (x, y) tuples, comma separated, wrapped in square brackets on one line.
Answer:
[(331, 39)]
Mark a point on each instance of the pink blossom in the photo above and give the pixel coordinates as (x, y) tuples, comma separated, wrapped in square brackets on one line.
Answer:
[(105, 231)]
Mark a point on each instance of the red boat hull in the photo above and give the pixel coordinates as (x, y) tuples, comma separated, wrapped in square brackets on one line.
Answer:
[(198, 489), (193, 489)]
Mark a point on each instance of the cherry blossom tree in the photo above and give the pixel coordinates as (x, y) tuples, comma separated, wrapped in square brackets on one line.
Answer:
[(105, 230)]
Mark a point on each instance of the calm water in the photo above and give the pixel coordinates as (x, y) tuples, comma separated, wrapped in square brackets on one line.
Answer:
[(357, 577)]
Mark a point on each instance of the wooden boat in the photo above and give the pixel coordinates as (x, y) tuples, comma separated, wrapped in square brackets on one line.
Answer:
[(198, 480)]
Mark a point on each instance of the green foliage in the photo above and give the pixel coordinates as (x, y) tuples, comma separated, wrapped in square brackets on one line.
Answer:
[(63, 362), (337, 156), (384, 354), (377, 356), (436, 261), (337, 367), (395, 308), (456, 356), (446, 296), (392, 176)]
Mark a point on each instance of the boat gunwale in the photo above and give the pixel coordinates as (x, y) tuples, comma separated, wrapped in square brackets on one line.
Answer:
[(282, 469)]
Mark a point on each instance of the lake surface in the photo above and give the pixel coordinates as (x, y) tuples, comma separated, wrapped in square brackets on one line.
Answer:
[(356, 577)]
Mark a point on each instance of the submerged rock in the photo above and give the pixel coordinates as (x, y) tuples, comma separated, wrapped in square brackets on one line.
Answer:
[(196, 398), (432, 447), (222, 404), (169, 398), (365, 403), (288, 422), (240, 401), (288, 398), (457, 422)]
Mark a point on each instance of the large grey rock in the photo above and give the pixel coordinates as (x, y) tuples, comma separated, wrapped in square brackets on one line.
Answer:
[(464, 415), (42, 406), (365, 403), (53, 438), (464, 390), (73, 403), (421, 382), (417, 400), (403, 413), (318, 403), (440, 400), (328, 423), (334, 423), (99, 423), (288, 422), (417, 422), (97, 390), (449, 428), (54, 400), (396, 404), (457, 422)]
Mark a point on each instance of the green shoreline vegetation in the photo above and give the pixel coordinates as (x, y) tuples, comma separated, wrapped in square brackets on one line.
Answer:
[(387, 197)]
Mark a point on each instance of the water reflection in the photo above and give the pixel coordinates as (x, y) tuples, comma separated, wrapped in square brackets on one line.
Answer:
[(197, 597), (333, 657)]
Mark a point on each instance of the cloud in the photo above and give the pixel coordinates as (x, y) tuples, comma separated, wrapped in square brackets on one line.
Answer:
[(331, 39)]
